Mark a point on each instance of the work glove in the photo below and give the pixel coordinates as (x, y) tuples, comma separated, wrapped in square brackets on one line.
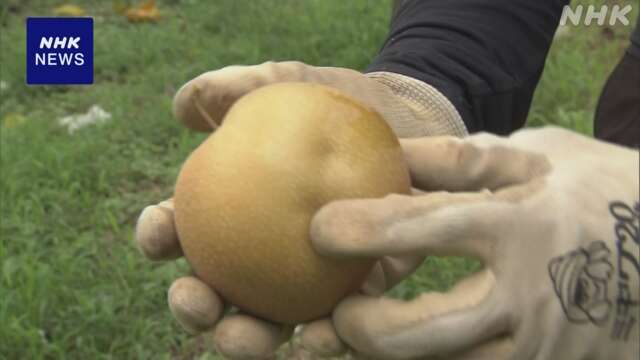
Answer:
[(552, 215), (412, 108)]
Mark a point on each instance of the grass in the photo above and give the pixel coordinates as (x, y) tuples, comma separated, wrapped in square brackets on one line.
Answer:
[(72, 284)]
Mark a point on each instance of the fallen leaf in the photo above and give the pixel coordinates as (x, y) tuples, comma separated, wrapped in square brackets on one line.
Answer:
[(68, 10), (147, 11), (13, 120)]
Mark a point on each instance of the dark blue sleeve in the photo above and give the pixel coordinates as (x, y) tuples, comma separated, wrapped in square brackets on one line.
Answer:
[(485, 56)]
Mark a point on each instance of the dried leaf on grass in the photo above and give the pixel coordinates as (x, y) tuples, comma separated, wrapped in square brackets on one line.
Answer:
[(147, 11), (13, 120), (68, 10)]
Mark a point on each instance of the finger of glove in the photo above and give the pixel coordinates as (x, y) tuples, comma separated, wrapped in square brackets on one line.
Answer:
[(430, 325), (194, 304), (156, 234), (435, 224), (240, 336), (320, 338), (202, 103), (478, 162)]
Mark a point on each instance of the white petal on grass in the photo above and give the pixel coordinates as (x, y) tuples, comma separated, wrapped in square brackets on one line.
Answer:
[(95, 115), (4, 85)]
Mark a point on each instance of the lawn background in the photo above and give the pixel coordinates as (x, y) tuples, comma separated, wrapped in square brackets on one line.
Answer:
[(72, 284)]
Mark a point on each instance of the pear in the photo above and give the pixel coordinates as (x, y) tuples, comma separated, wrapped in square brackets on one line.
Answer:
[(244, 199)]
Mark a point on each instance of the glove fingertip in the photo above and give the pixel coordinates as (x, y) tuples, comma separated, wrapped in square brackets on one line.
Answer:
[(188, 106), (156, 235), (194, 304), (240, 336), (321, 339)]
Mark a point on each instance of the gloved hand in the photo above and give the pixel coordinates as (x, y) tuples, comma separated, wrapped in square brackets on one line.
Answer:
[(552, 215), (411, 107)]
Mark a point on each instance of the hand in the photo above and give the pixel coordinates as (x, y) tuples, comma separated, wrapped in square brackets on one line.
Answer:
[(412, 108), (553, 216)]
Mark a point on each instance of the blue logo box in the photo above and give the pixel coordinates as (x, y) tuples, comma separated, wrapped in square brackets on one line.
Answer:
[(59, 50)]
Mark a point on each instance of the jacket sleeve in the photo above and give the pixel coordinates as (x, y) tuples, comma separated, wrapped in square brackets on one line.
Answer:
[(485, 56)]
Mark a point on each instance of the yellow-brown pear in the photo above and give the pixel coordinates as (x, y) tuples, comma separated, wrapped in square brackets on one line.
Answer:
[(245, 197)]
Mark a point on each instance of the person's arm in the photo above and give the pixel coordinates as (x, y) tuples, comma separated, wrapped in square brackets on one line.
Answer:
[(486, 57), (617, 116)]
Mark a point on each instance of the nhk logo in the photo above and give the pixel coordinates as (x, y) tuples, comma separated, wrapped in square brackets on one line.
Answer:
[(53, 58), (618, 14), (59, 51)]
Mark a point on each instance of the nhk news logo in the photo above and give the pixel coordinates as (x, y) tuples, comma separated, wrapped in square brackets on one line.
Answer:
[(59, 50)]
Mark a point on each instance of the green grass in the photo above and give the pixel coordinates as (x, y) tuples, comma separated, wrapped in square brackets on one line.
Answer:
[(72, 283)]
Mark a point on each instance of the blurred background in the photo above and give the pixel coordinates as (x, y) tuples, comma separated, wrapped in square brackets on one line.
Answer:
[(78, 163)]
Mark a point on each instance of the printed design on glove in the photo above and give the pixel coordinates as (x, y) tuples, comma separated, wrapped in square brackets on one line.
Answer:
[(626, 229), (580, 280)]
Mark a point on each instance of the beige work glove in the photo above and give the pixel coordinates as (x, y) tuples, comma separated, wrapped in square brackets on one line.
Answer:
[(552, 215), (411, 107)]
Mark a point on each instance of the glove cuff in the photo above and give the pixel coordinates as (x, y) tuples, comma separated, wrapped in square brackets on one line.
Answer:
[(422, 109)]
